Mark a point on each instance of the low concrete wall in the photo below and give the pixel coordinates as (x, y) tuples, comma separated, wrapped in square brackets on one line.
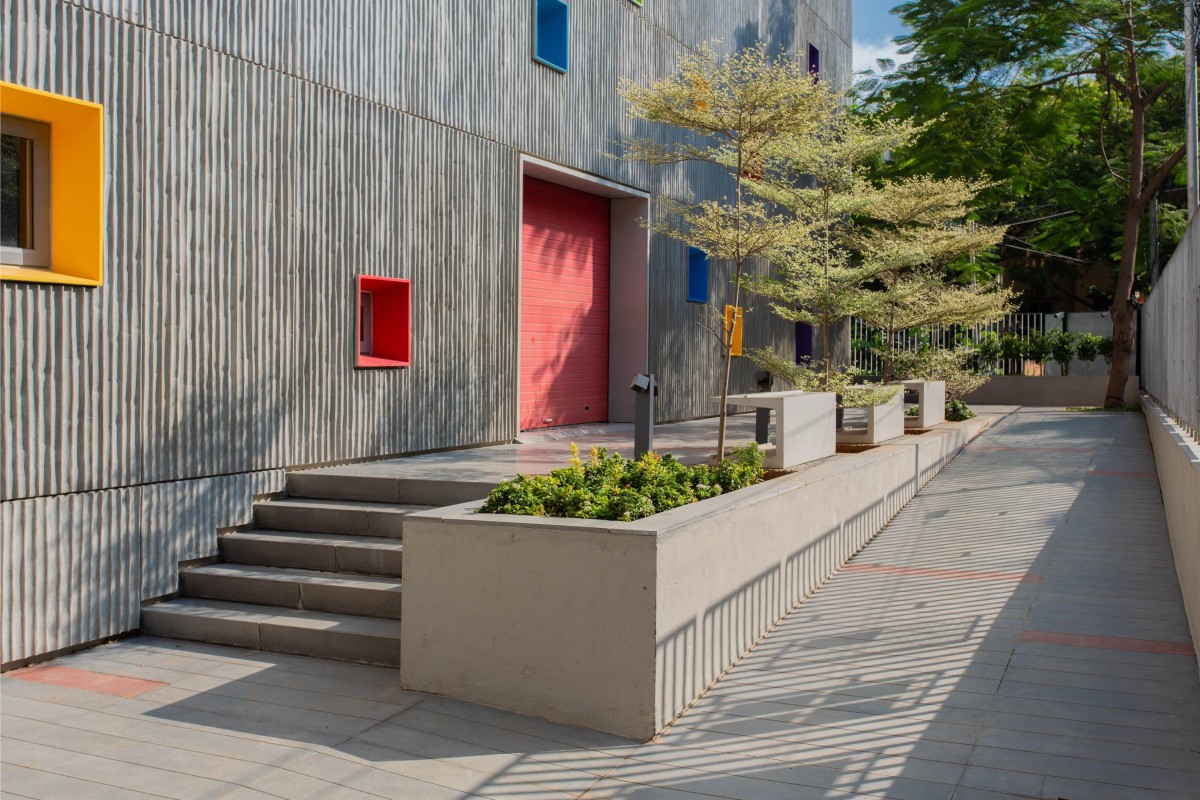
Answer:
[(1052, 390), (618, 626), (1177, 457)]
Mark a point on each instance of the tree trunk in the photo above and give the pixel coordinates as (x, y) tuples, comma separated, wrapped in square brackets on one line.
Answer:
[(1122, 312), (722, 416)]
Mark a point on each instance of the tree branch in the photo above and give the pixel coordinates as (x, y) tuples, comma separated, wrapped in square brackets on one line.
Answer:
[(1116, 82), (1154, 93), (1103, 148), (1159, 178), (1057, 78)]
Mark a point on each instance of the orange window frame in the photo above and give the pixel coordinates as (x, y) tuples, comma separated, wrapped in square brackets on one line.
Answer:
[(76, 185)]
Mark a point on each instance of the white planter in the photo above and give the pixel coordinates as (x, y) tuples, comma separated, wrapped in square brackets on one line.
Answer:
[(805, 425), (931, 403), (618, 626), (884, 421)]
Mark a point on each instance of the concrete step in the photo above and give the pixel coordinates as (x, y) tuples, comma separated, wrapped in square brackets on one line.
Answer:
[(294, 588), (330, 516), (326, 552), (367, 640), (333, 485)]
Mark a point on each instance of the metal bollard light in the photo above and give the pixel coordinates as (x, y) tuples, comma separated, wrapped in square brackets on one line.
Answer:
[(643, 425), (762, 418)]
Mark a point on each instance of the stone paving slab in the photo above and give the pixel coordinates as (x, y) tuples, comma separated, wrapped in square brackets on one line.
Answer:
[(1016, 631)]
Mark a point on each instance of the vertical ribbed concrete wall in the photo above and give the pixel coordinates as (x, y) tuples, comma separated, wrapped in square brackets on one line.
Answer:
[(258, 156)]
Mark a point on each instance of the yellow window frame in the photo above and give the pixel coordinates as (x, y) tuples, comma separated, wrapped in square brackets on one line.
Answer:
[(76, 185)]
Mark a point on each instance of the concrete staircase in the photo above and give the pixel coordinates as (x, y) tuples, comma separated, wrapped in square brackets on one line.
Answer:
[(320, 573)]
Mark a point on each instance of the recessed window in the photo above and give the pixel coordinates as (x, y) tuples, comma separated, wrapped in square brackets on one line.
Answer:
[(366, 340), (814, 60), (24, 192), (51, 188), (551, 33), (697, 276), (384, 322)]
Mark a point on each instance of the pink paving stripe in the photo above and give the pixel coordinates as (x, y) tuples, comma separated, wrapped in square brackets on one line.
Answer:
[(986, 448), (1109, 643), (1116, 474), (931, 572), (117, 685)]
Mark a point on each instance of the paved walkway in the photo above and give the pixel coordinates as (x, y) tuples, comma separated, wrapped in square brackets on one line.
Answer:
[(1016, 631)]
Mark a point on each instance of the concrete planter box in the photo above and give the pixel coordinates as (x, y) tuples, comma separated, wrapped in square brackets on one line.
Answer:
[(618, 626), (884, 421), (931, 403), (805, 425)]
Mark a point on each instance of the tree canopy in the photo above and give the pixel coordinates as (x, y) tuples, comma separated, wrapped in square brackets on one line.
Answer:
[(1073, 107)]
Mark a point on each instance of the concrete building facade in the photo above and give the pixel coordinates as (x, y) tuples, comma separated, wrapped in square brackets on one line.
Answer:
[(258, 159)]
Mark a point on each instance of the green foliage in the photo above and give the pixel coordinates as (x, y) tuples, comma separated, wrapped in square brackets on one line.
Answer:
[(957, 411), (953, 367), (809, 377), (1038, 348), (1036, 95), (985, 354), (866, 395), (871, 249), (609, 486), (1062, 348), (729, 112), (1105, 348), (1087, 348), (1011, 348), (806, 375)]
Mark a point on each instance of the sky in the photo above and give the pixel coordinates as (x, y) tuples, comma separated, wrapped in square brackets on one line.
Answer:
[(874, 29)]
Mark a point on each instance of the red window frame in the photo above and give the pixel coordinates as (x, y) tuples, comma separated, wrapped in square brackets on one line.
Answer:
[(390, 342)]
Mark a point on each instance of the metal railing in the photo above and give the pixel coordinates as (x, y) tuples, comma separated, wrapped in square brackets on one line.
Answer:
[(1171, 335), (864, 338)]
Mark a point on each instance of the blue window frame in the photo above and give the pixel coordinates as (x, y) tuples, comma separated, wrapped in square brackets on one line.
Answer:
[(551, 33), (697, 280)]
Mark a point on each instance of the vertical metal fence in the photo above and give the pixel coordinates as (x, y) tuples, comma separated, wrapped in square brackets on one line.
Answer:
[(866, 342), (1171, 335)]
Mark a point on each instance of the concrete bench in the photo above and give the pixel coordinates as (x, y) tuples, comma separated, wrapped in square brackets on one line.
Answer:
[(805, 425)]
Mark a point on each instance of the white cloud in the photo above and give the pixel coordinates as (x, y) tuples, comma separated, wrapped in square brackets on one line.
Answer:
[(866, 54)]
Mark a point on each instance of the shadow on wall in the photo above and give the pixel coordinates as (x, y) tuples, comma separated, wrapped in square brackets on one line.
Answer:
[(82, 563), (781, 27), (839, 700), (722, 634)]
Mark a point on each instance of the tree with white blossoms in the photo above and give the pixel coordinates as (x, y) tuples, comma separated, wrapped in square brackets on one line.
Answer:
[(730, 112), (910, 238), (874, 250)]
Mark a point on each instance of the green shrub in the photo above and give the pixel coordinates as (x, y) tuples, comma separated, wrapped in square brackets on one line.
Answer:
[(609, 486), (1106, 349), (957, 411), (1062, 348), (1087, 348), (866, 395), (987, 352), (1038, 348), (1011, 348)]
